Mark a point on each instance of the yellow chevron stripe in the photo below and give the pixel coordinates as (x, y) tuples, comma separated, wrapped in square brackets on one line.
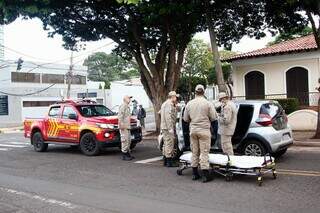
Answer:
[(49, 127)]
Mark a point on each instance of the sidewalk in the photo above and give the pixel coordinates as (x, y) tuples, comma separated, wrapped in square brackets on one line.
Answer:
[(303, 138), (11, 129)]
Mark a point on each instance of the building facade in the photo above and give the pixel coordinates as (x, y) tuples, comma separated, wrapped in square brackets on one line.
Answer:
[(289, 69), (28, 92)]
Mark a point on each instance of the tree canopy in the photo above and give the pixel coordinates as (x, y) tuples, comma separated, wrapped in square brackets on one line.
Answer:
[(285, 36), (109, 67)]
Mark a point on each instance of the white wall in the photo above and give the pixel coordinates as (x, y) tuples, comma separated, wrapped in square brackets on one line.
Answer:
[(120, 89), (274, 69)]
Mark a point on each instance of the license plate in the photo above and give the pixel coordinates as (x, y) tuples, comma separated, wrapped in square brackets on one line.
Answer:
[(286, 137)]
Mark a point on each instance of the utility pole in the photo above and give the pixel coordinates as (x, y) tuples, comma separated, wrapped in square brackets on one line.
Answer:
[(70, 75)]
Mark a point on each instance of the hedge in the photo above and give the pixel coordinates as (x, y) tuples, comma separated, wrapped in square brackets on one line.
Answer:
[(289, 104)]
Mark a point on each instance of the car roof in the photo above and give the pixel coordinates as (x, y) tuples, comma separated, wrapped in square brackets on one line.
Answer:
[(81, 102), (254, 101)]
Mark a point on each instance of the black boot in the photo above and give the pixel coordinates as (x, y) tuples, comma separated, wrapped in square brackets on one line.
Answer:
[(132, 157), (165, 161), (206, 176), (126, 156), (195, 173), (171, 163)]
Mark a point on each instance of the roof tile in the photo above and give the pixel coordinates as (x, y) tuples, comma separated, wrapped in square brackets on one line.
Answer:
[(301, 44)]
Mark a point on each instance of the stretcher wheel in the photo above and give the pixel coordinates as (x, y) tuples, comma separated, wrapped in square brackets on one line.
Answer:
[(229, 177), (275, 175), (179, 172), (259, 181)]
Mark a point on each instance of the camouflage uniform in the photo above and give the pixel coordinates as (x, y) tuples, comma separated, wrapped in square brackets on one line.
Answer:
[(124, 126), (227, 124), (200, 112), (168, 122)]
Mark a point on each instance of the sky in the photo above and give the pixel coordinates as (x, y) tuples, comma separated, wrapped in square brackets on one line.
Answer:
[(27, 39)]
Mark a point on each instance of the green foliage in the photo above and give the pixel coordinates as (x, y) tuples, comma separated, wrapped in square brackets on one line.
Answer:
[(289, 104), (294, 33), (212, 76), (129, 1), (109, 67), (198, 59), (186, 86)]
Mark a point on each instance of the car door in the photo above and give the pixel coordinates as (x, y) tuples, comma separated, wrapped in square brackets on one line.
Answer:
[(51, 123), (69, 124)]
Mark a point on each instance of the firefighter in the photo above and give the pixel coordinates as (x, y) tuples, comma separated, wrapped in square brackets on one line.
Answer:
[(168, 124), (124, 117), (200, 113), (227, 119)]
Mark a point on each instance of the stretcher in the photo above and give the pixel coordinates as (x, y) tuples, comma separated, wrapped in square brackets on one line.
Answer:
[(228, 166)]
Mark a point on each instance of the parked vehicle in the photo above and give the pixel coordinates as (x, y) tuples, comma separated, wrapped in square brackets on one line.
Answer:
[(262, 127), (84, 123)]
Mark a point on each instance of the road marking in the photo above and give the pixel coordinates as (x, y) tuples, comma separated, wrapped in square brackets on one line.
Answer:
[(146, 161), (4, 149), (40, 198), (298, 172), (14, 146), (17, 143)]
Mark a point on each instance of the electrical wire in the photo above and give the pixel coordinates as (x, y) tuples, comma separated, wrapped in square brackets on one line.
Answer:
[(27, 94)]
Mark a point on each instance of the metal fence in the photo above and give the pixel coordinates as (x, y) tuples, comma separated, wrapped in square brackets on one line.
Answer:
[(304, 99)]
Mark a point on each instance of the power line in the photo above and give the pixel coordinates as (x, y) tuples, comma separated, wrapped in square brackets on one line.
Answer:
[(27, 94), (59, 60)]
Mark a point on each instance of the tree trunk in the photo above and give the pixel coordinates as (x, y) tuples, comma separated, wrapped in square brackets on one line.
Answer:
[(215, 50), (317, 135)]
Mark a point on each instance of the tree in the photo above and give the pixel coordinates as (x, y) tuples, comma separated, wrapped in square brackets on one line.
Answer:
[(198, 61), (285, 36), (109, 67), (184, 83), (159, 28)]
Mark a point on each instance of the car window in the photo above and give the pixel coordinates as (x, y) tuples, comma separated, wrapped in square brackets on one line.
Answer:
[(94, 110), (54, 111), (67, 111), (270, 109)]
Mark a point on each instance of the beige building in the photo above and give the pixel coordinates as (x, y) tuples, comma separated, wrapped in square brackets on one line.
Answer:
[(287, 69)]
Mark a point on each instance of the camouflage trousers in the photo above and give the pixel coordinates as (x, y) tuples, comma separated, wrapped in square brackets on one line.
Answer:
[(125, 140), (226, 144), (200, 147), (168, 144)]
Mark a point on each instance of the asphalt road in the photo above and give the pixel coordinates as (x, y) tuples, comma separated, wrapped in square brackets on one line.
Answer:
[(64, 180)]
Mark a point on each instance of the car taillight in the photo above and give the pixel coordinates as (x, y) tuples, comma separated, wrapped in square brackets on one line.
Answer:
[(264, 120)]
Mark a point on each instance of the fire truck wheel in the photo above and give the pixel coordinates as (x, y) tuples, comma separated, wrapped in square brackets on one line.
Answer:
[(89, 145), (38, 143)]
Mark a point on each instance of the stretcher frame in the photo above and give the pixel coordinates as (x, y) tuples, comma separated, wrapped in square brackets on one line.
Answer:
[(228, 171)]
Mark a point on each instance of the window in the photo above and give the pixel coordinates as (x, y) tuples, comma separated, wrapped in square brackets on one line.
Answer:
[(4, 105), (78, 79), (94, 110), (53, 78), (87, 95), (25, 77), (67, 111), (54, 112), (37, 103)]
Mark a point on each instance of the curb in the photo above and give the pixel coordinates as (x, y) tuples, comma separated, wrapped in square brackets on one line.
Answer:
[(11, 130), (307, 144)]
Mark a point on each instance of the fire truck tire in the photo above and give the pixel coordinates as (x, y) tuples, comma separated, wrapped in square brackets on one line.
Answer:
[(38, 143), (89, 145)]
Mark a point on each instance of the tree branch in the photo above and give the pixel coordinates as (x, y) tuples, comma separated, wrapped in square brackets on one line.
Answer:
[(316, 33)]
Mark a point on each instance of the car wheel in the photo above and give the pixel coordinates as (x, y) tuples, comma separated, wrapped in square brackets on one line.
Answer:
[(254, 148), (279, 153), (38, 142), (89, 145)]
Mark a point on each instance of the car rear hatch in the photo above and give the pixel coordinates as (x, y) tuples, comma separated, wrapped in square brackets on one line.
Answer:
[(272, 114)]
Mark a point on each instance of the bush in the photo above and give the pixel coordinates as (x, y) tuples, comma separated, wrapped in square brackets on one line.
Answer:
[(289, 104)]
